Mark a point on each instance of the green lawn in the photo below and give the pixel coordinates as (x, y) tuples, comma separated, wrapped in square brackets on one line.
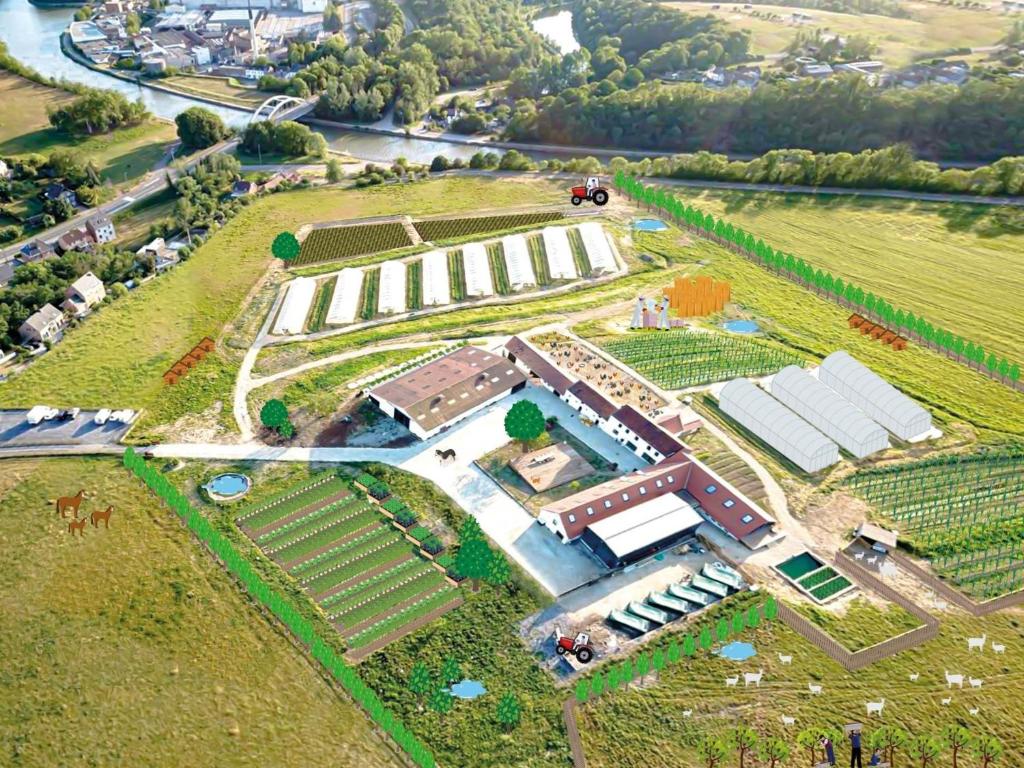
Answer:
[(220, 88), (859, 624), (130, 646), (947, 262), (647, 726)]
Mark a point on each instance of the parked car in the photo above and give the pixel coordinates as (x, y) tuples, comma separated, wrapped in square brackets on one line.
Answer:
[(68, 414), (41, 413), (102, 416), (124, 416)]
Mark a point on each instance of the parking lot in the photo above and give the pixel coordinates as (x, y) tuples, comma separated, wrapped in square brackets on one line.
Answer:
[(16, 432)]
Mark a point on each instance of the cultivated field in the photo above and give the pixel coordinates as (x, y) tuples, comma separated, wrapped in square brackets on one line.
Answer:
[(933, 28), (437, 230), (963, 512), (339, 243), (680, 359), (947, 263), (131, 646)]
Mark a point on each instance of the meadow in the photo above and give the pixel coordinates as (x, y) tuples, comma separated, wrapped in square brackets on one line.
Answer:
[(946, 262), (130, 646), (219, 88), (933, 28)]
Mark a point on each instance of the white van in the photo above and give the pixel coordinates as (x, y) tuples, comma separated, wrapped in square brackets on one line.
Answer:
[(40, 413), (102, 416)]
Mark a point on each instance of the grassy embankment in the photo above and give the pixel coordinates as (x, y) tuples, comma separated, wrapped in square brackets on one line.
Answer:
[(131, 646)]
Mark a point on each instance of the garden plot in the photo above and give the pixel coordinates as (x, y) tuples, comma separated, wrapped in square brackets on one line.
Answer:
[(365, 575)]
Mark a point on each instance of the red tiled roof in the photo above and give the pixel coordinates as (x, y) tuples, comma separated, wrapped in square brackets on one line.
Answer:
[(647, 430), (538, 364), (593, 399), (731, 517)]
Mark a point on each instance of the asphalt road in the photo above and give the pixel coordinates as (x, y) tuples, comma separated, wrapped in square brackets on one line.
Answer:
[(17, 433)]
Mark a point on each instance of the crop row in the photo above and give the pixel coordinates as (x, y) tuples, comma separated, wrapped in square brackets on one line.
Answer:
[(336, 243), (385, 601), (831, 587), (449, 229), (414, 285), (406, 616), (323, 531), (322, 302), (539, 258), (391, 575), (311, 518), (382, 551), (267, 515), (817, 578), (499, 271), (372, 593), (335, 555), (457, 275), (371, 287), (579, 252)]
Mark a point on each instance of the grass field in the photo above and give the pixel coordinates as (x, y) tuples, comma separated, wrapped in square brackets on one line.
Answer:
[(933, 28), (130, 645), (947, 263), (122, 156), (859, 624), (134, 222), (646, 726), (220, 88)]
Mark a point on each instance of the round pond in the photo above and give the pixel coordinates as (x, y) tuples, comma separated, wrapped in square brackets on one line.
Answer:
[(741, 326), (650, 225), (737, 651), (468, 689), (228, 486)]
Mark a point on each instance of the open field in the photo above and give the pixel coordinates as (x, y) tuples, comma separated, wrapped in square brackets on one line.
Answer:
[(133, 223), (947, 263), (858, 623), (647, 726), (122, 156), (221, 88), (131, 646), (933, 28)]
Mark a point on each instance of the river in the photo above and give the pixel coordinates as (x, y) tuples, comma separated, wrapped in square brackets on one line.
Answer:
[(558, 30)]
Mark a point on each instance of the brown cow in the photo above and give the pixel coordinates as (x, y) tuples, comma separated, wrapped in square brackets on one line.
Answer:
[(77, 525), (96, 516), (64, 503)]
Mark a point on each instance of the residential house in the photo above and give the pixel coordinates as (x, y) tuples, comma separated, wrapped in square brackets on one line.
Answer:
[(57, 191), (164, 257), (7, 270), (278, 179), (45, 325), (951, 72), (817, 70), (101, 228), (83, 294), (76, 240), (37, 250)]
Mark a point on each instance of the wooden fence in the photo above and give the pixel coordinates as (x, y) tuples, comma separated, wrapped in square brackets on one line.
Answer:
[(955, 596)]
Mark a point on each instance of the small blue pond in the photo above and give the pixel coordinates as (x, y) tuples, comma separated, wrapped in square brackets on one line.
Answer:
[(737, 651), (468, 689), (741, 326), (230, 485), (650, 225)]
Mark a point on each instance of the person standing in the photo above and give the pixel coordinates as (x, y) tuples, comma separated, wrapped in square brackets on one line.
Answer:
[(855, 749), (830, 750)]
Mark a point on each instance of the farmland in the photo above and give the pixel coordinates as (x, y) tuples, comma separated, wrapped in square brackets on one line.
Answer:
[(679, 359), (366, 577), (440, 230), (339, 243), (961, 511), (859, 624), (139, 602)]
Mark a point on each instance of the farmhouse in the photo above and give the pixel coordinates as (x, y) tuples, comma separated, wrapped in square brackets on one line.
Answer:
[(101, 228), (534, 363), (644, 438), (44, 325), (431, 398), (83, 294), (592, 405)]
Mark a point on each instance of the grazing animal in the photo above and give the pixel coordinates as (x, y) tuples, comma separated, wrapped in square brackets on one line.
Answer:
[(976, 682), (687, 712), (753, 677), (96, 516), (444, 456), (788, 720), (954, 679), (814, 689), (77, 525), (730, 682), (785, 659), (998, 648), (947, 702), (976, 642), (940, 604), (914, 676), (973, 711), (859, 556), (872, 560), (64, 503), (875, 707)]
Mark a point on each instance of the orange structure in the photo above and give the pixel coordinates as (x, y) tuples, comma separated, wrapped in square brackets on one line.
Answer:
[(189, 361), (699, 297)]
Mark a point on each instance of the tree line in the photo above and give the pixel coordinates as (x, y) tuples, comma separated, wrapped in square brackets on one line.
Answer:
[(824, 283), (97, 112), (282, 607)]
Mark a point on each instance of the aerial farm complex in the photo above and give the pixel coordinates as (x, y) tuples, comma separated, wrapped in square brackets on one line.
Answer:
[(512, 480)]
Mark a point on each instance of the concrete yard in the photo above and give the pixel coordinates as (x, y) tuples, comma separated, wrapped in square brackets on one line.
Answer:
[(16, 432)]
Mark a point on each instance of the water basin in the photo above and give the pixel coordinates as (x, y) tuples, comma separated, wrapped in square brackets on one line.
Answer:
[(228, 486), (650, 225), (737, 651), (468, 689), (741, 326)]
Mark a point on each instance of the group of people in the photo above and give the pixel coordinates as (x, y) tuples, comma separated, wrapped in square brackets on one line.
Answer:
[(855, 751)]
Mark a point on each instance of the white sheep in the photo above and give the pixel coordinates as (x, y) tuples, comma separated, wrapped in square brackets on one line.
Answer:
[(753, 677), (786, 660), (814, 689), (998, 648), (730, 682), (914, 676), (788, 720), (976, 642), (976, 682), (875, 707), (947, 702), (952, 680)]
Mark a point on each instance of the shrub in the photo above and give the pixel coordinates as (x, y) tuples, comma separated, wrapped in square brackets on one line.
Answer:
[(366, 480), (405, 517), (394, 505), (379, 490), (432, 544), (445, 561), (420, 533)]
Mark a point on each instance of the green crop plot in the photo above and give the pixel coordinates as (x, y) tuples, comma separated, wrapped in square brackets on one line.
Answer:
[(678, 359), (338, 243), (964, 512), (450, 229)]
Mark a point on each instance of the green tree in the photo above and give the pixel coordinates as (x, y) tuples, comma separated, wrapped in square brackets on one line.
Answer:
[(451, 672), (658, 660), (773, 751), (809, 739), (582, 690), (335, 171), (441, 700), (474, 561), (689, 645), (712, 750), (419, 680), (722, 629), (597, 684), (500, 572), (199, 128), (987, 749), (888, 738), (738, 622), (285, 247), (753, 617), (274, 414), (643, 666), (956, 738), (674, 651), (470, 530), (744, 740), (524, 422), (771, 608), (706, 639), (925, 748), (509, 712)]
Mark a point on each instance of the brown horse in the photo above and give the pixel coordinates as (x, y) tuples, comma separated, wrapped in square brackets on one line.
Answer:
[(96, 516), (77, 525), (64, 503)]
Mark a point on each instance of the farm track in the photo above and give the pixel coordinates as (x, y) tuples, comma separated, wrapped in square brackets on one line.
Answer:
[(295, 562), (363, 651)]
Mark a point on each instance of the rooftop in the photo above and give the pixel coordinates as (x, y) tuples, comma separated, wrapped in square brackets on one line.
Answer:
[(646, 524), (656, 437), (593, 399), (539, 364)]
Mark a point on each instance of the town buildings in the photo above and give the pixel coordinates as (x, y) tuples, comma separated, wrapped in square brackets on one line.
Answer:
[(83, 294), (44, 325)]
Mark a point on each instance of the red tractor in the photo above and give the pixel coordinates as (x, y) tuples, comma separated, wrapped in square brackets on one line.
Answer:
[(592, 191), (579, 646)]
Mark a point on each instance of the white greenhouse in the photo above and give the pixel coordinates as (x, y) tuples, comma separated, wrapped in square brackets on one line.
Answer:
[(295, 307), (436, 288), (517, 262), (874, 395), (560, 262), (599, 252), (392, 288), (778, 426), (348, 290), (477, 268), (824, 408)]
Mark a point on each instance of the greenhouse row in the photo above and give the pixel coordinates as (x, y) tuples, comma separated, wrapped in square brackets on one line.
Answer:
[(560, 262), (392, 288), (517, 262), (295, 307), (348, 291), (436, 288), (599, 251), (478, 270)]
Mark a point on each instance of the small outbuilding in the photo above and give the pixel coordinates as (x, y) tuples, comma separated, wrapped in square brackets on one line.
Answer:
[(881, 539)]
